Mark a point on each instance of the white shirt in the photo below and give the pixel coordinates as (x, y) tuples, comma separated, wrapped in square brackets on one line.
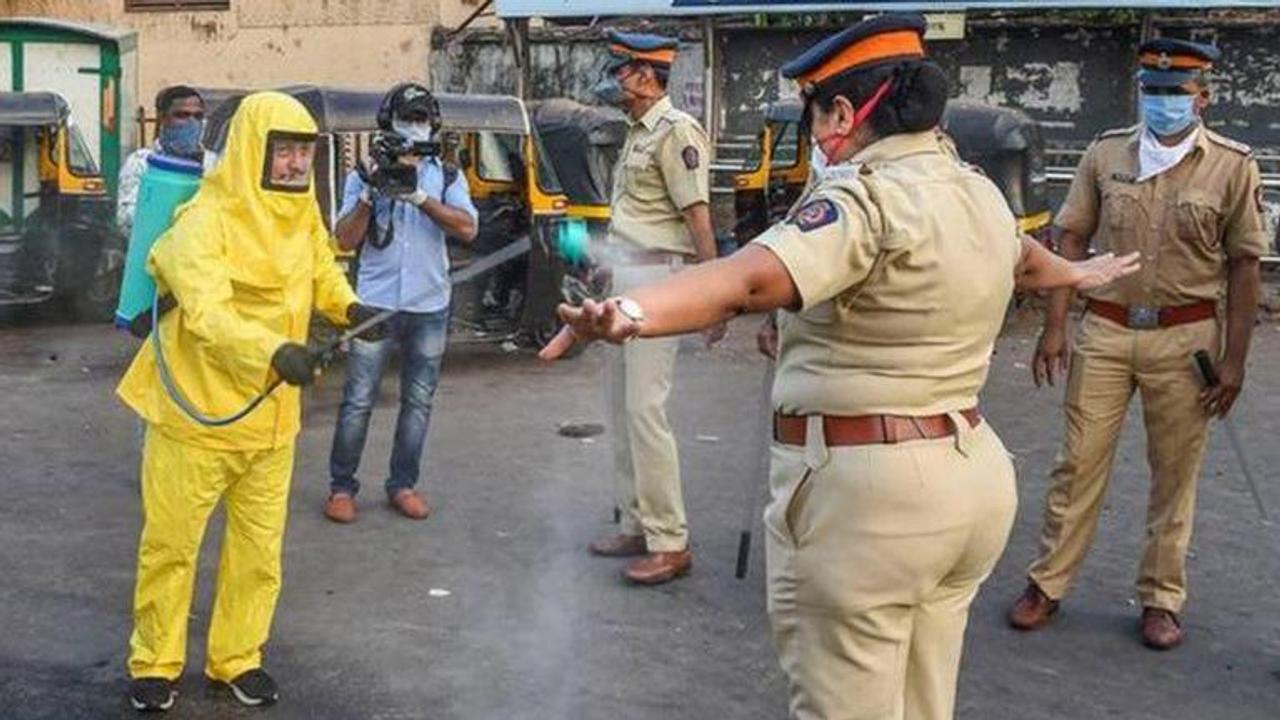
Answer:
[(1155, 157), (131, 179)]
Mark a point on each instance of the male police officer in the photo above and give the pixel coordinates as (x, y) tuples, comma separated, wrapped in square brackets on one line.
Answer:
[(1189, 200), (661, 220)]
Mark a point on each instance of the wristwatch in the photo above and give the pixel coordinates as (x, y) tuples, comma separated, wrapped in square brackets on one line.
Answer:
[(632, 311)]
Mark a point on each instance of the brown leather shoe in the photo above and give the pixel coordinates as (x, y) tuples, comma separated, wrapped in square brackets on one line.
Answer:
[(659, 567), (1160, 629), (410, 504), (1033, 610), (341, 508), (619, 546)]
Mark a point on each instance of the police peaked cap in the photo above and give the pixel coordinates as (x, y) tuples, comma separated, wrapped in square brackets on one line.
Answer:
[(881, 39), (640, 47), (1170, 62)]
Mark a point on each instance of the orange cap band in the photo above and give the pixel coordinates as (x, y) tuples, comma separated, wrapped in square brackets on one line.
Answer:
[(665, 57), (1164, 61), (899, 43)]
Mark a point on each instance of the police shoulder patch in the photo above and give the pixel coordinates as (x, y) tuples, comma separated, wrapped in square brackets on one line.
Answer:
[(815, 214), (1118, 132), (1228, 143), (690, 157)]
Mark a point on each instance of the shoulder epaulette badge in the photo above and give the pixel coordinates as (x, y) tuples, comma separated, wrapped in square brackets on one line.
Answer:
[(1228, 143), (1117, 132)]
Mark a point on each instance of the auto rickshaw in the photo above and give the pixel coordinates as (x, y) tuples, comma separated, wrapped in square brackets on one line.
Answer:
[(58, 240), (489, 139), (583, 143), (1004, 143), (777, 172)]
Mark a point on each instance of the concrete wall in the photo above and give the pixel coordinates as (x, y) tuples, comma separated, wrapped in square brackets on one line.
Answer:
[(259, 43), (565, 64), (1073, 72), (1075, 78)]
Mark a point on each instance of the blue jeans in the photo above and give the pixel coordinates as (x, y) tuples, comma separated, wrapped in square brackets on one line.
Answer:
[(422, 337)]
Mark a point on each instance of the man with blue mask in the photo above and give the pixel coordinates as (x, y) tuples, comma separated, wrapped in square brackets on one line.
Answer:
[(1189, 200), (400, 230), (660, 222), (180, 114)]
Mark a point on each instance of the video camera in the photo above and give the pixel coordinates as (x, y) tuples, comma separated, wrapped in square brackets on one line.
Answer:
[(387, 173)]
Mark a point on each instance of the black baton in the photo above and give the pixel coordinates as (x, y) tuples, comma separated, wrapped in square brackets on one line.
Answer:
[(1210, 376)]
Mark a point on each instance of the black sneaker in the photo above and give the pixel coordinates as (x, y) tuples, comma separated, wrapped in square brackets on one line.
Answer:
[(254, 687), (152, 694)]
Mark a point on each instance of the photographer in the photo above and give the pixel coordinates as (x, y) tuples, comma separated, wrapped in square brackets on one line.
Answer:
[(397, 209)]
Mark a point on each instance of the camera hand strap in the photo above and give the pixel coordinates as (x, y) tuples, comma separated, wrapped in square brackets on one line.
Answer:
[(388, 235)]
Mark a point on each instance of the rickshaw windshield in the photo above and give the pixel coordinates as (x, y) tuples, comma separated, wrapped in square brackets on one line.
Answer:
[(548, 180), (786, 142), (79, 159), (499, 156)]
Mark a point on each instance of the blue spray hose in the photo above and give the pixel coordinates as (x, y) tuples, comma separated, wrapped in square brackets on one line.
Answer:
[(175, 393)]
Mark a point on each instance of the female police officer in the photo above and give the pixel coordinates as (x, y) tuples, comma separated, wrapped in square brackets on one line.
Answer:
[(891, 498)]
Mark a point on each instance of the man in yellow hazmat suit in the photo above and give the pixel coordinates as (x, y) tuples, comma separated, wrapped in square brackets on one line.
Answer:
[(247, 259)]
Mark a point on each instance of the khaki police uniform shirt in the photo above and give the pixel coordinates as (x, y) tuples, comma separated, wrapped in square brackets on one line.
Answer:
[(663, 169), (1186, 222), (904, 261)]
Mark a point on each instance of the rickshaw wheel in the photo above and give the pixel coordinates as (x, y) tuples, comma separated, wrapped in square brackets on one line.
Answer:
[(96, 302)]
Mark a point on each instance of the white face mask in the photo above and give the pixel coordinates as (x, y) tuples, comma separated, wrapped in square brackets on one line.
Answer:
[(415, 132), (817, 158)]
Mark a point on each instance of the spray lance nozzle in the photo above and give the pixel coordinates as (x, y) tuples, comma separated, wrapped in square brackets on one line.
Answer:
[(573, 241)]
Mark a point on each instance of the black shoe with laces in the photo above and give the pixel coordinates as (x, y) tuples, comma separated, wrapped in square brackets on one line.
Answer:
[(254, 687), (152, 694)]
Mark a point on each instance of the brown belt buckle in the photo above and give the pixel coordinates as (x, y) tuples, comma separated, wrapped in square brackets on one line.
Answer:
[(1144, 317)]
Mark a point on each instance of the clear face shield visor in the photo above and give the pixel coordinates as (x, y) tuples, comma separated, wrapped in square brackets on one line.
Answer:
[(289, 160)]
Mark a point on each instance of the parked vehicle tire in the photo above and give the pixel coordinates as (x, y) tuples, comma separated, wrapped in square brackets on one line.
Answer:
[(95, 299)]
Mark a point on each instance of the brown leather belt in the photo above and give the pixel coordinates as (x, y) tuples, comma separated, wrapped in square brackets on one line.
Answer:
[(870, 429), (1141, 317)]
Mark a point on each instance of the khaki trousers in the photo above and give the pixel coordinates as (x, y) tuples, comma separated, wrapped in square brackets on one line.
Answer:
[(1109, 362), (874, 554), (181, 485), (646, 463)]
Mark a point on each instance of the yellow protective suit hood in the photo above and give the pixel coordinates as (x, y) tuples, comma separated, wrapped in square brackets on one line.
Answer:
[(246, 264), (268, 226)]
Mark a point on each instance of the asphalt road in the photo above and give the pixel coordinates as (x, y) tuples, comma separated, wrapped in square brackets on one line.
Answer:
[(492, 608)]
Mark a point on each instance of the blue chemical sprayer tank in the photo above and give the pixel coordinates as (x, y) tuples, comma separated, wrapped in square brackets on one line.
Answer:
[(167, 183)]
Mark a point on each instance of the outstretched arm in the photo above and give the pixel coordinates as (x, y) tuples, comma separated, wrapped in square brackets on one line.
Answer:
[(1040, 269), (751, 280)]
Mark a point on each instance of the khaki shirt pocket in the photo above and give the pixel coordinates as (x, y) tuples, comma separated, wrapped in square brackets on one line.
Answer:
[(1198, 220), (642, 177), (1122, 211)]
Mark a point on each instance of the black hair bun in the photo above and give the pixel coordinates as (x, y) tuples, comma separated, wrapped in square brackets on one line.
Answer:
[(919, 96)]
